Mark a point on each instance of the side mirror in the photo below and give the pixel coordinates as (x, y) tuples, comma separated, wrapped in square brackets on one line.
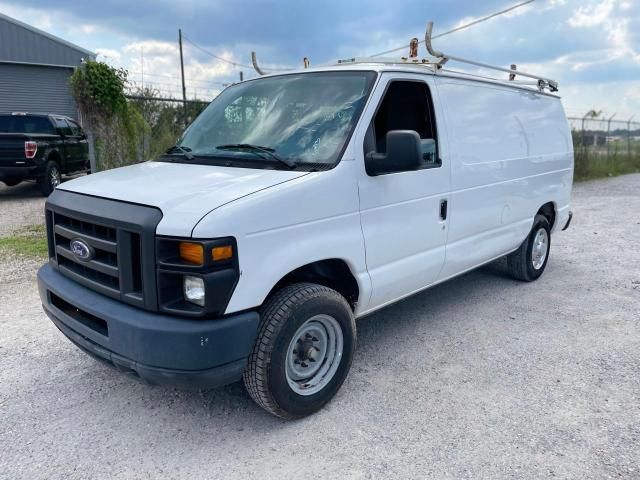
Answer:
[(404, 153)]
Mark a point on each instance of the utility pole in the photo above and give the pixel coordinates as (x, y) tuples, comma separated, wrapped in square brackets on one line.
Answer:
[(629, 135), (184, 88), (241, 76), (609, 132), (142, 68)]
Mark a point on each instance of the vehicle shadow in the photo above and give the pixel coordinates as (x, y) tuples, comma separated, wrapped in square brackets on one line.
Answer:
[(395, 321), (25, 190)]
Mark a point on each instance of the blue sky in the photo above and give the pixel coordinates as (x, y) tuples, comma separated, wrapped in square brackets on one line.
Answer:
[(591, 47)]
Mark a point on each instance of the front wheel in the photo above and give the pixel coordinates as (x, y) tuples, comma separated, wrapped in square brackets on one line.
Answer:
[(529, 261), (51, 178), (303, 352)]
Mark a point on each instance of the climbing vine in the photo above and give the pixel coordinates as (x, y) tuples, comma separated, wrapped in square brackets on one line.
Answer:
[(112, 124)]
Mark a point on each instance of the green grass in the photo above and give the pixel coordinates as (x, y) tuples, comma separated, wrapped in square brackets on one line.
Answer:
[(589, 165), (28, 241)]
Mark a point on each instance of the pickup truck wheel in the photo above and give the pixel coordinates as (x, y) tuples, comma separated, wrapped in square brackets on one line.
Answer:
[(303, 351), (51, 178), (529, 261)]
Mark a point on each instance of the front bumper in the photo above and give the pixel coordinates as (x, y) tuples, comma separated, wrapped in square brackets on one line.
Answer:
[(25, 172), (157, 348)]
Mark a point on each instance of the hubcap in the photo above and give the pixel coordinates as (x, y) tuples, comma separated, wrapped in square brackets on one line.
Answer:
[(540, 248), (54, 177), (314, 354)]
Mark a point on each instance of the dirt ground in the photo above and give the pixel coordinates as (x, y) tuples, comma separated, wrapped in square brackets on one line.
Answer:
[(479, 377)]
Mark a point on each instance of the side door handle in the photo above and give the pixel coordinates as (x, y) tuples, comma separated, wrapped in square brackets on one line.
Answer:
[(443, 209)]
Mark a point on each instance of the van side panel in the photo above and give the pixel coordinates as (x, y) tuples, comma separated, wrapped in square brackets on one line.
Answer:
[(511, 152)]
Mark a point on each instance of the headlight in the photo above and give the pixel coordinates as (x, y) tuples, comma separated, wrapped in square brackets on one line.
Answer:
[(196, 277), (193, 288)]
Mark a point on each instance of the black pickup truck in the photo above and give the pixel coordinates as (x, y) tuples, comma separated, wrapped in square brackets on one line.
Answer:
[(41, 147)]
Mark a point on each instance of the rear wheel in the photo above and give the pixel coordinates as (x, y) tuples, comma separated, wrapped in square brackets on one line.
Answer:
[(303, 351), (51, 178), (529, 261), (11, 182)]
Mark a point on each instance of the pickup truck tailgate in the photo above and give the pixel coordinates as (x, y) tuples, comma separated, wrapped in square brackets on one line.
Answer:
[(11, 149)]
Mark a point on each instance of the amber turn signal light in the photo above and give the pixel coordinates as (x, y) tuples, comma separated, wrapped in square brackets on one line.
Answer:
[(222, 253), (192, 253)]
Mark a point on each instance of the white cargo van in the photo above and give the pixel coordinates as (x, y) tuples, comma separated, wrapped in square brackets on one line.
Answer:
[(292, 206)]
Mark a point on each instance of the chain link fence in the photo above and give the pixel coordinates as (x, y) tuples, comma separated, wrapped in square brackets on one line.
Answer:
[(605, 146), (164, 119)]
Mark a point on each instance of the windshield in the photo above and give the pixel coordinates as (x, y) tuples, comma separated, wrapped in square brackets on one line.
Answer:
[(292, 120)]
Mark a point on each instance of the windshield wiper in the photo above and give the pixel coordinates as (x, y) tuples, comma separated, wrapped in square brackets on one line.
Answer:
[(184, 150), (259, 150)]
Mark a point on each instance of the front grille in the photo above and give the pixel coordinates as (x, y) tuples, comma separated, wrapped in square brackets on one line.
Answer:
[(115, 268), (103, 267), (121, 237)]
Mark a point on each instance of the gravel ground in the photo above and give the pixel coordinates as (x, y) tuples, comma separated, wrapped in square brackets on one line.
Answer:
[(480, 377), (20, 206)]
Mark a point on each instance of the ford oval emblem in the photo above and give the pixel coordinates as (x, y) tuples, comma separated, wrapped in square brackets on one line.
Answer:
[(81, 249)]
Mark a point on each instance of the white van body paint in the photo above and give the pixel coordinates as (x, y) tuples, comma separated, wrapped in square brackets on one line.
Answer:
[(505, 151), (184, 193)]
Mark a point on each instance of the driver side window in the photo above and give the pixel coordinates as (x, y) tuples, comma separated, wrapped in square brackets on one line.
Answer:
[(406, 105)]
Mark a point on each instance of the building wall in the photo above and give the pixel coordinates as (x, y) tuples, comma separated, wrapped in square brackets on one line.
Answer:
[(38, 89)]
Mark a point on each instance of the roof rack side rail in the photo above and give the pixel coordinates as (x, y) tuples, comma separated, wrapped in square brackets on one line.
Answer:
[(542, 82)]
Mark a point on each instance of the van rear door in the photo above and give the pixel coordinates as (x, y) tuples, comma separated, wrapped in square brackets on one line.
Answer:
[(404, 215)]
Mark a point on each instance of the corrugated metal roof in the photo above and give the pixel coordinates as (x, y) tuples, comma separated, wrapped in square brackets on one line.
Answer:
[(22, 43)]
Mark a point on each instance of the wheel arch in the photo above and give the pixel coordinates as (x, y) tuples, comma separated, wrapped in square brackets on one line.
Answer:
[(333, 273), (54, 155), (549, 211)]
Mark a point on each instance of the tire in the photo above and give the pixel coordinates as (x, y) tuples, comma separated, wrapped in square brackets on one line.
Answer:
[(298, 323), (11, 182), (529, 261), (50, 179)]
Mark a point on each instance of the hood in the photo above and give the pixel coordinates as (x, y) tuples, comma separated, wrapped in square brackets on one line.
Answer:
[(184, 193)]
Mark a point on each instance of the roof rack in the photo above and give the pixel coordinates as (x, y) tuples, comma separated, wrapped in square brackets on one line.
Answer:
[(437, 59)]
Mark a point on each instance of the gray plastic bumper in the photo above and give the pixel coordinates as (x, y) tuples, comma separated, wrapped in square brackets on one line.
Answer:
[(159, 349)]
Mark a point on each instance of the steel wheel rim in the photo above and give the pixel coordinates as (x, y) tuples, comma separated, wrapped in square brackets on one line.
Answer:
[(540, 248), (314, 354), (54, 177)]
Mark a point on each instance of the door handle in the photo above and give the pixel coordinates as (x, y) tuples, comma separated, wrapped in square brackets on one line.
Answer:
[(443, 209)]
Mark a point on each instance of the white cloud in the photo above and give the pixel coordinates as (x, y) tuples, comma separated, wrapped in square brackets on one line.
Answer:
[(592, 15), (610, 17), (108, 54), (38, 18), (621, 98), (88, 28), (156, 64)]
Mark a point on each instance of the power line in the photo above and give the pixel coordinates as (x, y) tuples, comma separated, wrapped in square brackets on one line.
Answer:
[(167, 76), (222, 59), (461, 27)]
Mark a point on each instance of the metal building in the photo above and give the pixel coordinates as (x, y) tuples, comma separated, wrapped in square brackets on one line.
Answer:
[(35, 67)]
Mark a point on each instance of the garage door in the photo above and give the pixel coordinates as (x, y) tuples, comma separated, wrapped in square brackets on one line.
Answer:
[(27, 88)]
